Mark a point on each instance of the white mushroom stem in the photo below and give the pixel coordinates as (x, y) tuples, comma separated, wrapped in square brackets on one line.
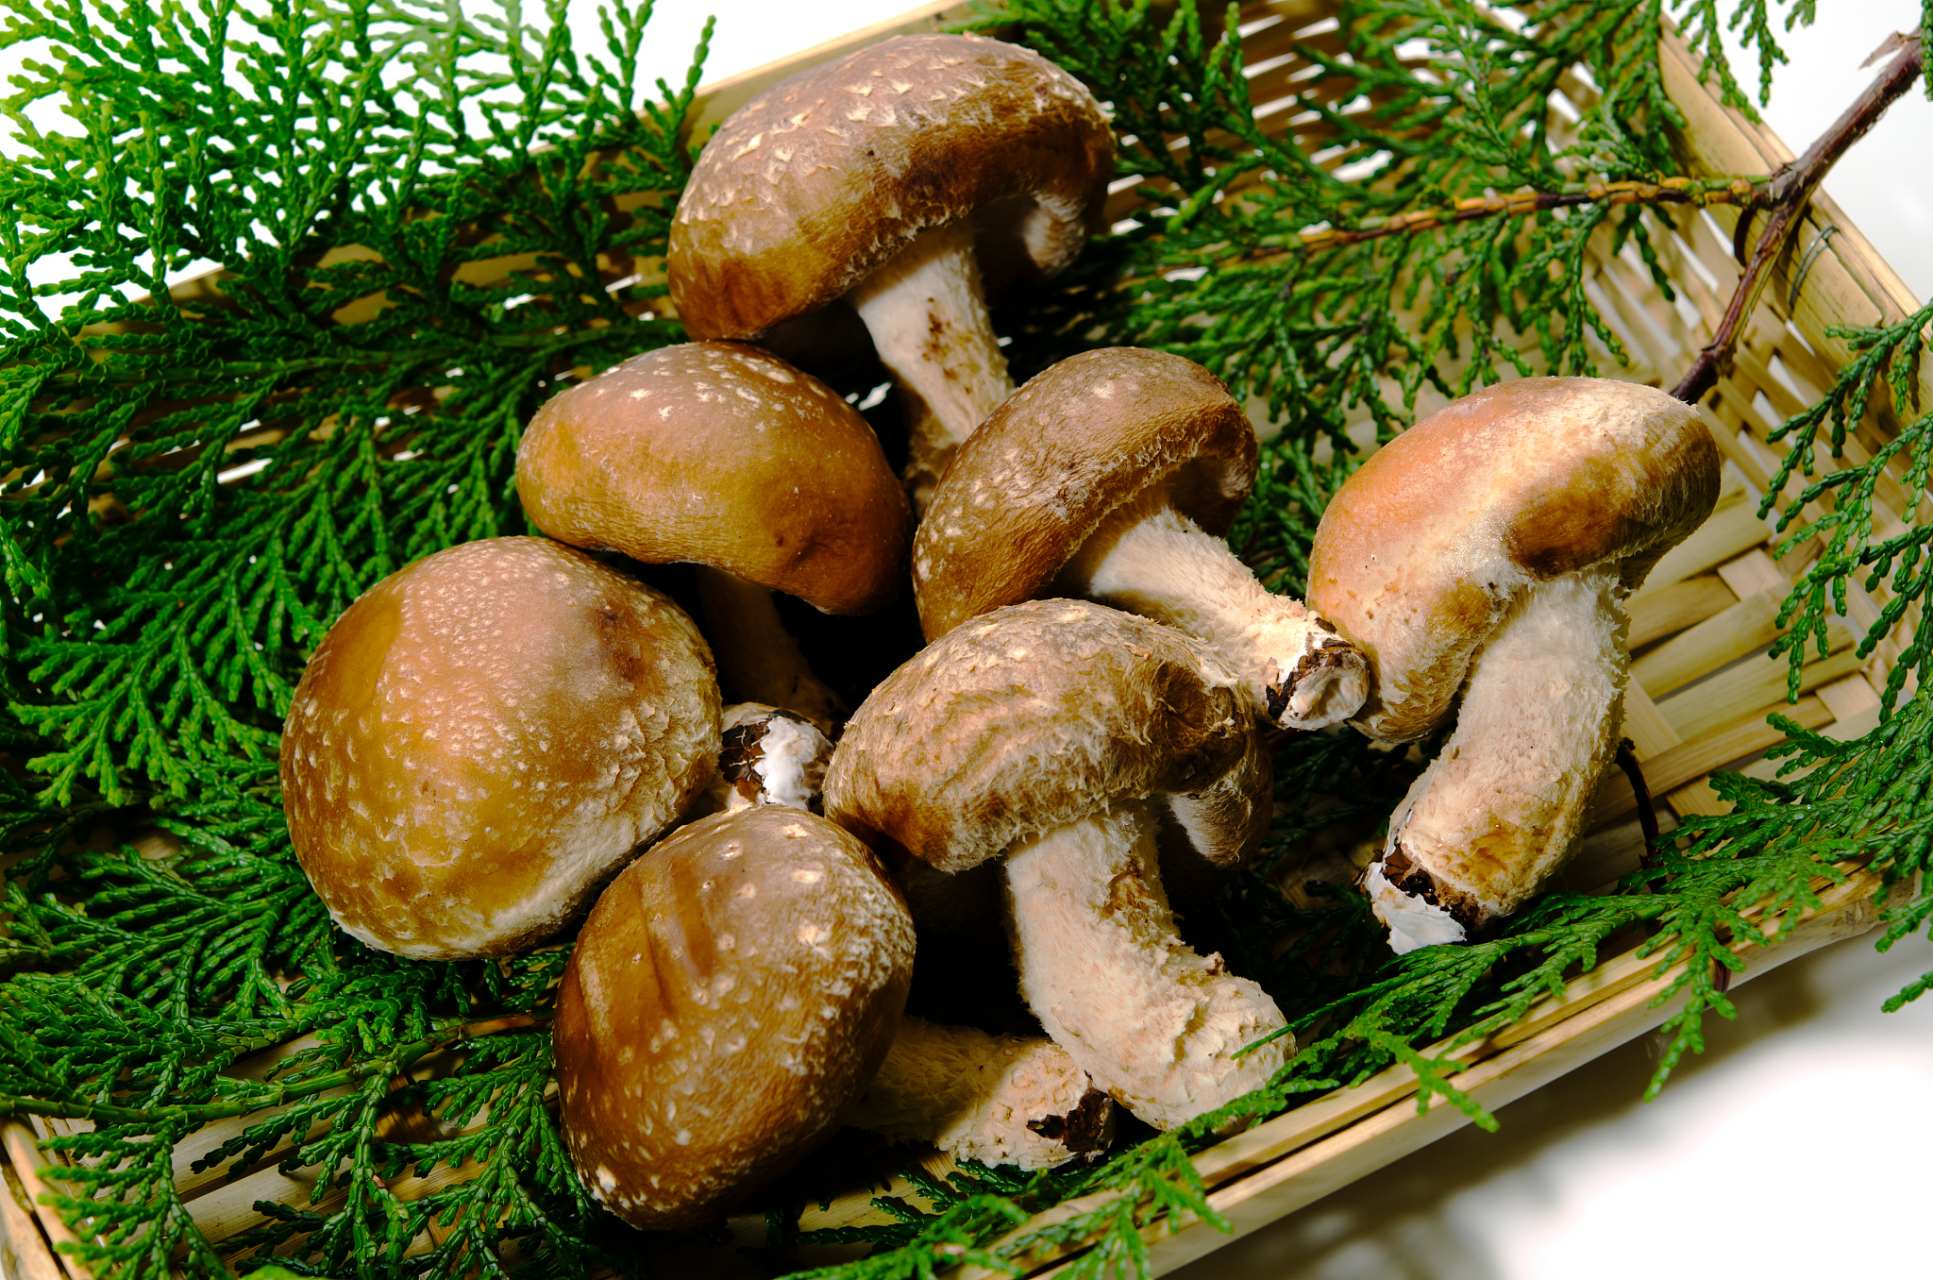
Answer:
[(1156, 1025), (996, 1099), (768, 756), (1148, 558), (1503, 804), (928, 321), (758, 660)]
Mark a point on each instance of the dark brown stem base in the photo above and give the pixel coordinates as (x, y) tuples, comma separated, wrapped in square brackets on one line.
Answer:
[(1627, 758)]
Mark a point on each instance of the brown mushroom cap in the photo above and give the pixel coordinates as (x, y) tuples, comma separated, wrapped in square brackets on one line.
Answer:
[(1422, 552), (1026, 719), (483, 737), (1087, 435), (720, 454), (729, 996), (822, 178)]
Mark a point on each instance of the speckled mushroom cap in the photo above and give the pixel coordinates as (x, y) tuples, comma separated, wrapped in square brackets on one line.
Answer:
[(819, 180), (1421, 553), (1028, 718), (1087, 435), (483, 737), (720, 454), (729, 996)]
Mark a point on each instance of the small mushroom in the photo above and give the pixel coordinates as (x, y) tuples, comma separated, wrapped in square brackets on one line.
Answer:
[(1013, 1100), (1488, 551), (1036, 733), (1016, 1100), (484, 737), (1204, 836), (1112, 476), (768, 756), (892, 176), (724, 456), (728, 998)]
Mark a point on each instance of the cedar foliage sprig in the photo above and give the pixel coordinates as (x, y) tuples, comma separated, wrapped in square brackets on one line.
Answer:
[(197, 487), (161, 598)]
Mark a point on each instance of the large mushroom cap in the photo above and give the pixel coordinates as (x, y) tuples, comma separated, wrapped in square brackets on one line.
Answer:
[(483, 737), (1423, 551), (1086, 436), (721, 454), (729, 996), (823, 177), (1026, 719)]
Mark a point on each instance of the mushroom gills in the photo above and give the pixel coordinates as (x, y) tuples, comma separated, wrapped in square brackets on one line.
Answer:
[(1158, 1026), (1148, 558), (1501, 807)]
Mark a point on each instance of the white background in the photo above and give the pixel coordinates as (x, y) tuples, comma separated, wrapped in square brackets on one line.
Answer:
[(1798, 1145)]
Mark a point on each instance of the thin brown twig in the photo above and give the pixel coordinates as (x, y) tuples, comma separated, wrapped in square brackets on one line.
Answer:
[(1742, 192), (1791, 190), (1627, 760)]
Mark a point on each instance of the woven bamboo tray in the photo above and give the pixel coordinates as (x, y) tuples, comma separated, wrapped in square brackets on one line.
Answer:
[(1701, 685)]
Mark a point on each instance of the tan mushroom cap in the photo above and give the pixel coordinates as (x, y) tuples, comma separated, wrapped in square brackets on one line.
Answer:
[(820, 179), (720, 454), (1082, 438), (1026, 719), (728, 998), (483, 737), (1422, 552)]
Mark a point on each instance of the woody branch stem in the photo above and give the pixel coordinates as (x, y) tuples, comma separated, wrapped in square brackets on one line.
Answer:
[(1791, 191)]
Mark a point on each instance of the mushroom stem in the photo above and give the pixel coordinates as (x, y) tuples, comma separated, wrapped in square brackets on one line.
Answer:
[(997, 1099), (1155, 1024), (767, 755), (929, 323), (757, 657), (1502, 805), (1148, 558)]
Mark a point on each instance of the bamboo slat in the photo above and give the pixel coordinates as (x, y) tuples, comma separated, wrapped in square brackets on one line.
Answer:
[(25, 1251), (25, 1165), (1665, 611)]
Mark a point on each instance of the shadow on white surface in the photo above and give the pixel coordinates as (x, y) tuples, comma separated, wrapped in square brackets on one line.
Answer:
[(1788, 1147)]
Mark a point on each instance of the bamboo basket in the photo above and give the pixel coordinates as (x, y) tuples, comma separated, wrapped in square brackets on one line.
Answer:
[(1701, 685)]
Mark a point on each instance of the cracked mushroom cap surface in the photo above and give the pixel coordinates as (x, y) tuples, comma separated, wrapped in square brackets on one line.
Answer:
[(1083, 437), (1423, 551), (486, 735), (1025, 719), (727, 1000), (721, 454), (821, 179)]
